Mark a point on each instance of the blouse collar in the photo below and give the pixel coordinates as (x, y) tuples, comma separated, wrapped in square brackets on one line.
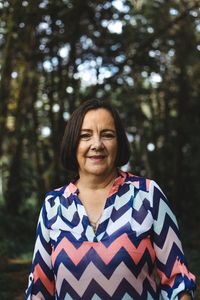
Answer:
[(71, 188)]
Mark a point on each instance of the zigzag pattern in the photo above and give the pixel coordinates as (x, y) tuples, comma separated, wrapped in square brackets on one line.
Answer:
[(137, 230), (105, 268), (92, 273), (105, 253)]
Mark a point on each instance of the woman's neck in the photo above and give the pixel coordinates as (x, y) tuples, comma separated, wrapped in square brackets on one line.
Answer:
[(94, 182)]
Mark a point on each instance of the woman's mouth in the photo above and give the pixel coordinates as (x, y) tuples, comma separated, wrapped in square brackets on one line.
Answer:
[(97, 158)]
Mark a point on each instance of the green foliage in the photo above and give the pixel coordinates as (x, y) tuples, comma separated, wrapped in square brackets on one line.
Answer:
[(16, 234)]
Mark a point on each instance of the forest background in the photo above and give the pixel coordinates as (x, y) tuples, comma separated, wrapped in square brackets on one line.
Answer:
[(144, 57)]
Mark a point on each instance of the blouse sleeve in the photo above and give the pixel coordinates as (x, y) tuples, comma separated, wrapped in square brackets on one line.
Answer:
[(41, 284), (170, 260)]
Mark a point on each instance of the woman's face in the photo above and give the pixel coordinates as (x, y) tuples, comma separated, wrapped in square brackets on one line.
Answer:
[(97, 148)]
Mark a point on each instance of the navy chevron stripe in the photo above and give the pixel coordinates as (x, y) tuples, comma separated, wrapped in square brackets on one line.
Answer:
[(71, 223), (39, 260), (168, 223), (38, 286), (158, 196), (42, 239), (106, 269), (142, 182), (168, 266), (123, 288), (117, 213), (123, 190), (140, 215)]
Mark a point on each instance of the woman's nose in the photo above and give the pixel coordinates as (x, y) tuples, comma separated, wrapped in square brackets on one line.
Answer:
[(97, 143)]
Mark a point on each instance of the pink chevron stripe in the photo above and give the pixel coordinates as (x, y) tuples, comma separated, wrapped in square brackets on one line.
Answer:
[(179, 268), (136, 254), (75, 254), (70, 189), (136, 184), (39, 274), (106, 254), (118, 181), (148, 181)]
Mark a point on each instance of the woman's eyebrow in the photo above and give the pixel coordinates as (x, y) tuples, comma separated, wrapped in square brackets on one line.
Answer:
[(103, 130), (84, 129), (108, 129)]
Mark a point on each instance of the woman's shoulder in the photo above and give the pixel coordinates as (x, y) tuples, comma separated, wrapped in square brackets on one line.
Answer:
[(147, 188), (56, 195), (139, 182), (146, 191)]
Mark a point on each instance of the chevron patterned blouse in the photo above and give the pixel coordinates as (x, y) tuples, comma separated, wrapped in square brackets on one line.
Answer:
[(137, 232)]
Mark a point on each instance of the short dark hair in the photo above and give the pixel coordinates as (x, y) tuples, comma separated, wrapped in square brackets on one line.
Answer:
[(72, 134)]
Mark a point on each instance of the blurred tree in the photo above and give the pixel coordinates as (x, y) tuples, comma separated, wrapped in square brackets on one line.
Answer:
[(56, 54)]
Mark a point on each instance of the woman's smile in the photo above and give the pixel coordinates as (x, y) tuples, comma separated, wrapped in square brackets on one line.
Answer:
[(97, 157)]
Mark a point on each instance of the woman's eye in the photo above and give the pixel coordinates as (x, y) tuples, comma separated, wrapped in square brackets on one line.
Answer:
[(85, 136), (108, 135)]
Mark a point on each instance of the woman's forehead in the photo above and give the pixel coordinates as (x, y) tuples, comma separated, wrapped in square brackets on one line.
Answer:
[(98, 117)]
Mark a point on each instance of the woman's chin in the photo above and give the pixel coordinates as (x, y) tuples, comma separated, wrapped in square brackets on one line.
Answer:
[(99, 170)]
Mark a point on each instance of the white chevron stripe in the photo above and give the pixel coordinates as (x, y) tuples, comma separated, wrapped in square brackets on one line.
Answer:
[(45, 255), (52, 210), (127, 297), (48, 197), (123, 220), (68, 297), (96, 297), (59, 225), (89, 232), (163, 210), (45, 232), (177, 291), (109, 285), (39, 296), (165, 295), (144, 226), (81, 209), (69, 212), (124, 199), (106, 213), (139, 198), (100, 236), (149, 297), (154, 185), (163, 253)]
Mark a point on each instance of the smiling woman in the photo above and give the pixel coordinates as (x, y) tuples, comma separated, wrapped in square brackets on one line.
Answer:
[(83, 126), (102, 235)]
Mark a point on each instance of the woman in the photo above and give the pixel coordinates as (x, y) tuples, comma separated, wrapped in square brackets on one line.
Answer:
[(101, 235)]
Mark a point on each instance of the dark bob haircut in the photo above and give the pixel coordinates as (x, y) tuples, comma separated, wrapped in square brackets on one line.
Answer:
[(71, 136)]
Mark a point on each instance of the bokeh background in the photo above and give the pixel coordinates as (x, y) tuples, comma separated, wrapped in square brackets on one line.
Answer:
[(144, 57)]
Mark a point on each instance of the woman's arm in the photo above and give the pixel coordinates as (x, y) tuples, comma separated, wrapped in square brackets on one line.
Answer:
[(170, 260), (41, 280)]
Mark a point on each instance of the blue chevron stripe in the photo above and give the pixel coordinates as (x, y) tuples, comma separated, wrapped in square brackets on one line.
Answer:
[(106, 269)]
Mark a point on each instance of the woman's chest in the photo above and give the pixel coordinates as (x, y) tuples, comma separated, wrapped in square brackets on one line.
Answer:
[(122, 213)]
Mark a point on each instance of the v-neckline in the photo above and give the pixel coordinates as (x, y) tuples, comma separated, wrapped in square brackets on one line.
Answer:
[(89, 232), (98, 232)]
